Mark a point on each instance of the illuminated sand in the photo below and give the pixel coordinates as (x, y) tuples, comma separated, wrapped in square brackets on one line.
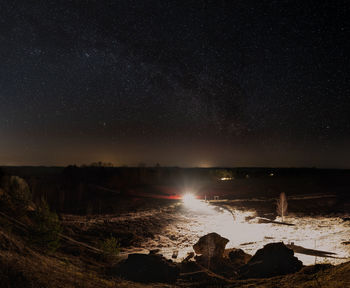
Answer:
[(196, 218)]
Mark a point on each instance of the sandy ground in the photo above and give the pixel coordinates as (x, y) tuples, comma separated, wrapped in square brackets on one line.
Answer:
[(244, 231), (177, 226)]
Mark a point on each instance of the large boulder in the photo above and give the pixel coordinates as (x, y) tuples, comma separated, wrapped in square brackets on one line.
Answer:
[(211, 249), (272, 260), (210, 246), (148, 268), (238, 257)]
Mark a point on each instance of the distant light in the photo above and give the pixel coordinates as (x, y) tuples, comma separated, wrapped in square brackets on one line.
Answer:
[(271, 174), (204, 165), (226, 178)]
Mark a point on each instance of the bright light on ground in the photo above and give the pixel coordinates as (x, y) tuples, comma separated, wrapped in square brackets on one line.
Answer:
[(245, 231), (189, 199), (192, 203)]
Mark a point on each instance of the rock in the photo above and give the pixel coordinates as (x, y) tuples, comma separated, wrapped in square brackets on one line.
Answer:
[(210, 246), (148, 268), (189, 267), (219, 265), (238, 257), (272, 260), (175, 254)]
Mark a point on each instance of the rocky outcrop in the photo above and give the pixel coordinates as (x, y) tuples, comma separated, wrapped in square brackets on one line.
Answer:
[(238, 257), (210, 246), (148, 268), (272, 260)]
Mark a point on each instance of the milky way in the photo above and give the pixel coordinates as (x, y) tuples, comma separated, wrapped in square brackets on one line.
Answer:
[(198, 83)]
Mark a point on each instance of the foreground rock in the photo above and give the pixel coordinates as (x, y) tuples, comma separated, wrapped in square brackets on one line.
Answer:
[(210, 246), (148, 268), (272, 260), (238, 257), (212, 256)]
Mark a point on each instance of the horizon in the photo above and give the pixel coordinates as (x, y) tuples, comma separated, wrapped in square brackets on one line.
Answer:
[(157, 165)]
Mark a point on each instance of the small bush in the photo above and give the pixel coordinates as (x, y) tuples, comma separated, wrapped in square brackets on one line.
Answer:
[(110, 247), (47, 228)]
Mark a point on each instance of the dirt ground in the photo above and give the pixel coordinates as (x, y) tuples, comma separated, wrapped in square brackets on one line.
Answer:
[(174, 226)]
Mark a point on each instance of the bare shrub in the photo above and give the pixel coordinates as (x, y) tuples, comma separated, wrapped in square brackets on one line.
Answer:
[(282, 205)]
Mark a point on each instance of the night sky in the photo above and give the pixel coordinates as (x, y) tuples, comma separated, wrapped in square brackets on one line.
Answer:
[(181, 83)]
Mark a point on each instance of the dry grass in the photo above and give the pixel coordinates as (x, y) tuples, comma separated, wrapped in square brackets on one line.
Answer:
[(334, 277), (22, 266)]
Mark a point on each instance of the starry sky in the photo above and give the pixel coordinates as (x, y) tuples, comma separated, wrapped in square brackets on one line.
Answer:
[(180, 83)]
